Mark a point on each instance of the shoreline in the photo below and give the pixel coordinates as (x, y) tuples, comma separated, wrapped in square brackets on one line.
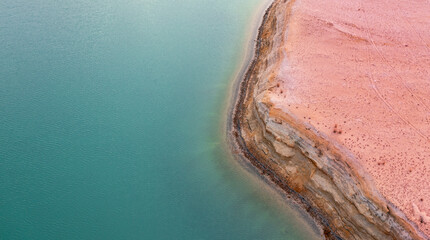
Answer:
[(282, 199), (247, 59), (238, 143), (237, 94)]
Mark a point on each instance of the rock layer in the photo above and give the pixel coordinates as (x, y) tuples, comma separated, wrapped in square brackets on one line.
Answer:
[(294, 117)]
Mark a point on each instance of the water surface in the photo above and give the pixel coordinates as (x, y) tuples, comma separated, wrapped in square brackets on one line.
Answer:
[(109, 121)]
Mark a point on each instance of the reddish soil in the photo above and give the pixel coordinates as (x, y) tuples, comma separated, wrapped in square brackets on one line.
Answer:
[(358, 71)]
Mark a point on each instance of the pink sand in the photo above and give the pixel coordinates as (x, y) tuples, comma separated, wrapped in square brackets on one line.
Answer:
[(359, 72)]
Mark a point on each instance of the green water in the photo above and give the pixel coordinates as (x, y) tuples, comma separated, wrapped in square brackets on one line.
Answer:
[(110, 123)]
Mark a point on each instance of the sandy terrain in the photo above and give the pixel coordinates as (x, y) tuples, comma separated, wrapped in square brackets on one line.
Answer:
[(359, 73)]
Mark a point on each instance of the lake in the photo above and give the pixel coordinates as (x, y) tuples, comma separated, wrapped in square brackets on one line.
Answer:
[(111, 119)]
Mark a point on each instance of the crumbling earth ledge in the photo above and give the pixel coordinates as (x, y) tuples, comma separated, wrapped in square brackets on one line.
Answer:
[(320, 175)]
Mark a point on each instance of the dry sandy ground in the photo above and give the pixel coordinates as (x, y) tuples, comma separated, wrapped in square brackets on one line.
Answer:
[(358, 71)]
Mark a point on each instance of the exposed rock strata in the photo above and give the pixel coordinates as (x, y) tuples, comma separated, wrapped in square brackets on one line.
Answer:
[(320, 174)]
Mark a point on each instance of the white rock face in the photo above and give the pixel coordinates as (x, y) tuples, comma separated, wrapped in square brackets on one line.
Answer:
[(283, 149)]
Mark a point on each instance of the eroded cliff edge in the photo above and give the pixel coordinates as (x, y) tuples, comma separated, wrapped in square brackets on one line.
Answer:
[(321, 175)]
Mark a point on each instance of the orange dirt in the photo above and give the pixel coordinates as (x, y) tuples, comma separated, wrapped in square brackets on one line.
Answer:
[(359, 72)]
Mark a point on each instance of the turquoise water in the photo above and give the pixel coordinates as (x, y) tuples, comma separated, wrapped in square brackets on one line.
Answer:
[(109, 123)]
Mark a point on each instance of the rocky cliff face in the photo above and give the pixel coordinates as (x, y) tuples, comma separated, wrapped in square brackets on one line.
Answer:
[(318, 174)]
